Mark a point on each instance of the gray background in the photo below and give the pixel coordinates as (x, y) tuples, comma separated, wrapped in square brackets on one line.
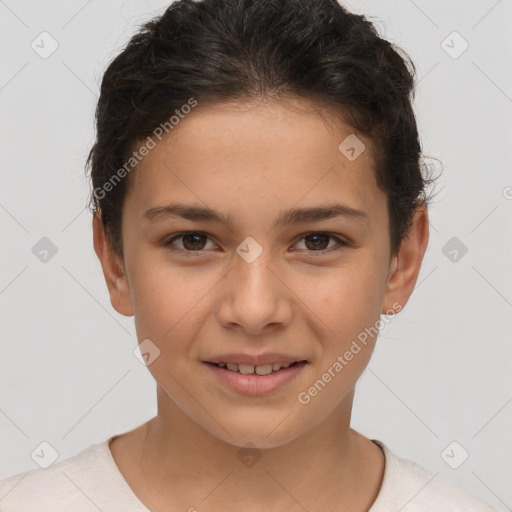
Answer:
[(441, 370)]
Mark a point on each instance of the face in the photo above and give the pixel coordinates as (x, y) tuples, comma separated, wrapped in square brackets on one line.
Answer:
[(293, 265)]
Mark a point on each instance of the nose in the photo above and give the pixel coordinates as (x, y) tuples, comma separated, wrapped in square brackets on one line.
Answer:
[(255, 298)]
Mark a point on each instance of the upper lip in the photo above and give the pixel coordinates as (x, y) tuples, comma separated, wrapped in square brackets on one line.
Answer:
[(255, 360)]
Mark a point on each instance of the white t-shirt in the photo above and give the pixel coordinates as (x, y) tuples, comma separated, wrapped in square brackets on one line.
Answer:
[(90, 481)]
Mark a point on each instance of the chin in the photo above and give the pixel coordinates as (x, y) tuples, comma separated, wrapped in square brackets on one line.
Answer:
[(257, 432)]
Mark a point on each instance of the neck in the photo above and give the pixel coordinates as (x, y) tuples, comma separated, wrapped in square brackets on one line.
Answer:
[(179, 461)]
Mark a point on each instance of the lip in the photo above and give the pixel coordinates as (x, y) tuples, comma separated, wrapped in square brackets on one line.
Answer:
[(255, 360), (253, 384)]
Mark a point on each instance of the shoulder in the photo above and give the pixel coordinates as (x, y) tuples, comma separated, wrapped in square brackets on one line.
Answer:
[(409, 487), (69, 484)]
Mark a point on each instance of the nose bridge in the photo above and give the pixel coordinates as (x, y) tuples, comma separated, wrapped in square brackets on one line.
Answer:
[(253, 272), (255, 296)]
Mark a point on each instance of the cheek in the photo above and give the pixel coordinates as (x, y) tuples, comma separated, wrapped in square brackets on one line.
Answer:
[(346, 300), (169, 301), (347, 303)]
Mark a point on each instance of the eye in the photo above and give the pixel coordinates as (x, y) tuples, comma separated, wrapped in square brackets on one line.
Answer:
[(319, 242), (196, 242), (192, 241)]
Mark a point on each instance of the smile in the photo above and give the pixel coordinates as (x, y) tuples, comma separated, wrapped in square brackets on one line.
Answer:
[(255, 380), (248, 369)]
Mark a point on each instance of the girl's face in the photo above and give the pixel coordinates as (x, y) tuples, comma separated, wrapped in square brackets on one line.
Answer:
[(275, 279)]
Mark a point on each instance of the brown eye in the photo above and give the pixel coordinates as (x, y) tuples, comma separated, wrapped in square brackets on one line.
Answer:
[(190, 242), (320, 242), (193, 241)]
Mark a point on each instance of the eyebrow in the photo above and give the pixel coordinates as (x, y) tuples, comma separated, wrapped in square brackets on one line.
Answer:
[(285, 217)]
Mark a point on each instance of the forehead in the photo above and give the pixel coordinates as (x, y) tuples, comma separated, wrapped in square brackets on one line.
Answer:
[(243, 153)]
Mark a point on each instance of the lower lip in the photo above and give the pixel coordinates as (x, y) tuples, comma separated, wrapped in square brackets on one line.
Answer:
[(253, 384)]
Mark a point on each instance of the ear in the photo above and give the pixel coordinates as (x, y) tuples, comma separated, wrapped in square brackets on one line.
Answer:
[(406, 265), (113, 269)]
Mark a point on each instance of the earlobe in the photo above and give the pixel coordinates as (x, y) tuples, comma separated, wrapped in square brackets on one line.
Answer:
[(405, 267), (113, 270)]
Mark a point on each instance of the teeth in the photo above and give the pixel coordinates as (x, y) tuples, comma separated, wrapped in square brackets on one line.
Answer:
[(248, 369), (264, 369)]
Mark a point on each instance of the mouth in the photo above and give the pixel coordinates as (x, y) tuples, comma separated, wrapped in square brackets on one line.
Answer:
[(256, 379), (249, 369)]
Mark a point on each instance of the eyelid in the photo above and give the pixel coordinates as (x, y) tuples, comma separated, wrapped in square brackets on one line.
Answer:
[(341, 242), (176, 236)]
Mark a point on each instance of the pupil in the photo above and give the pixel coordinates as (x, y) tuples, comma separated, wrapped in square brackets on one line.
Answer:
[(316, 238), (194, 244)]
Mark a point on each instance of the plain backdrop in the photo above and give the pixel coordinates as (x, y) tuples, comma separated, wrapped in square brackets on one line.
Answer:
[(438, 387)]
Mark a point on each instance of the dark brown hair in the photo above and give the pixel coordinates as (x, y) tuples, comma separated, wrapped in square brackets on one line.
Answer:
[(214, 51)]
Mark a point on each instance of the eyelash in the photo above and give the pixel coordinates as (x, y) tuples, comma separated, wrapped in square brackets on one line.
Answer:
[(341, 243)]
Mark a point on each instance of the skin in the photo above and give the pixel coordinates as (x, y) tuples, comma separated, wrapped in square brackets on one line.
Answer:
[(251, 161)]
